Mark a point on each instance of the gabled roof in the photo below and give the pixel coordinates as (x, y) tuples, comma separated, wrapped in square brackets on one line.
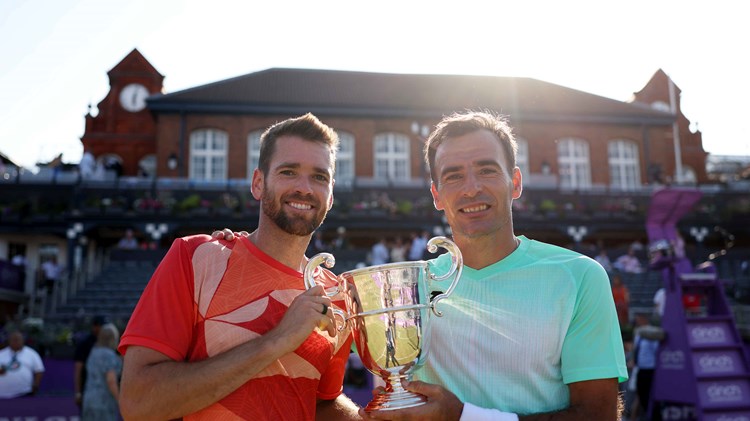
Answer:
[(7, 161), (134, 64), (348, 93)]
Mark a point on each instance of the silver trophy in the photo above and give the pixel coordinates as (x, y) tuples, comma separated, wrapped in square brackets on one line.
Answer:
[(388, 309)]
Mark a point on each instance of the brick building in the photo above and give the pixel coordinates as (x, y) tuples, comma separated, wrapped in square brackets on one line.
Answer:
[(567, 138)]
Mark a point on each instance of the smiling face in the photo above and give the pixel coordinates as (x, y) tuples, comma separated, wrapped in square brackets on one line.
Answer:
[(475, 186), (297, 191)]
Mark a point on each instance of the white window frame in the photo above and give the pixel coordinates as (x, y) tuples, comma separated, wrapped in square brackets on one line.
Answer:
[(522, 157), (253, 152), (345, 173), (688, 175), (574, 163), (624, 164), (217, 145), (387, 161)]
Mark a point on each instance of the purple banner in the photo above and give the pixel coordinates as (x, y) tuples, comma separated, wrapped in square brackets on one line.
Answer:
[(57, 408), (719, 362), (728, 416), (723, 393), (710, 333)]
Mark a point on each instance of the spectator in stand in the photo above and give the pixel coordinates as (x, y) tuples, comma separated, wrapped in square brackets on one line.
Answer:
[(51, 273), (646, 344), (19, 260), (621, 295), (629, 262), (317, 245), (418, 246), (660, 299), (128, 242), (340, 243), (379, 253), (87, 166), (103, 369), (83, 349), (691, 301), (603, 259), (637, 246), (398, 250), (21, 368)]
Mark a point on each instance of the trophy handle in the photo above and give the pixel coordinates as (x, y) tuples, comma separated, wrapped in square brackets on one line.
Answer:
[(312, 264), (457, 266)]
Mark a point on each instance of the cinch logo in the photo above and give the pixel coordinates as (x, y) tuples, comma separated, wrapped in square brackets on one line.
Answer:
[(707, 334), (717, 363), (719, 393), (733, 418), (672, 359)]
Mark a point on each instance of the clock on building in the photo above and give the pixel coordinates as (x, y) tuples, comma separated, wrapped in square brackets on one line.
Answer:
[(133, 97)]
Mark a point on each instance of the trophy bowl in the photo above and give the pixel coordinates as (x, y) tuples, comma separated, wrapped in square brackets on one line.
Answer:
[(388, 309)]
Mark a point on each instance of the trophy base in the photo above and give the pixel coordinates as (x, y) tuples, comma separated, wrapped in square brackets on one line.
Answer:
[(391, 401)]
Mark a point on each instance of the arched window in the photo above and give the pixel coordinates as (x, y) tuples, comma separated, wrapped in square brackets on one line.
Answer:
[(392, 157), (573, 163), (253, 152), (111, 164), (208, 154), (624, 165), (661, 106), (522, 157), (688, 175), (345, 159), (147, 166)]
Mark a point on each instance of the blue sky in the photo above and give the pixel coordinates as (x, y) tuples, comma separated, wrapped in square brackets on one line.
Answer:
[(54, 55)]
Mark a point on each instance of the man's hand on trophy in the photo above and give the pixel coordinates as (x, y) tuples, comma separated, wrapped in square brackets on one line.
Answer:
[(227, 234), (307, 311), (442, 405)]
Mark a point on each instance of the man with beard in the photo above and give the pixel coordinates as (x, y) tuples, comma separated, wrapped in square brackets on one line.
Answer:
[(226, 329)]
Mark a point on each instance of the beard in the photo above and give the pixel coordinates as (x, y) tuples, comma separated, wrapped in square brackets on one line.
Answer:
[(292, 225)]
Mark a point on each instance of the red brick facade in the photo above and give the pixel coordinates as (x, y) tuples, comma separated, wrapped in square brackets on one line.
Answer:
[(117, 131), (132, 136)]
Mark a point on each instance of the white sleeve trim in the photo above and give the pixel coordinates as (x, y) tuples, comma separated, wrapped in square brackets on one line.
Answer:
[(475, 413)]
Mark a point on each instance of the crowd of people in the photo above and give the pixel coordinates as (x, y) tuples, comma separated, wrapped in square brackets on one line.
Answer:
[(399, 250)]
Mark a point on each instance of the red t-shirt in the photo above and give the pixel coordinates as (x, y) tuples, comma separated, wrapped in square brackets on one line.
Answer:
[(208, 296)]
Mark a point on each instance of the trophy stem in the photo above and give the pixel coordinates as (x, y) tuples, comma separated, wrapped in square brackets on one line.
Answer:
[(396, 398)]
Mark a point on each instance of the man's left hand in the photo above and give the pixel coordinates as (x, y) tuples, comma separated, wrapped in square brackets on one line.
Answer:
[(227, 234), (442, 405)]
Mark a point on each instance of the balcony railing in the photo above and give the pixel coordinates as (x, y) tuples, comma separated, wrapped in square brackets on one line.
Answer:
[(50, 197)]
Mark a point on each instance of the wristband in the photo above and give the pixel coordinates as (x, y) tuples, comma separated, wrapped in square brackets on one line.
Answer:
[(475, 413)]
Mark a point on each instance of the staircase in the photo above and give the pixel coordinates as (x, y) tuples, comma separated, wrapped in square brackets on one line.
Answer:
[(114, 292), (703, 362)]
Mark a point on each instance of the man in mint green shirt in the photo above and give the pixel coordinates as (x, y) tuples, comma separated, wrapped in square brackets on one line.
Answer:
[(530, 332)]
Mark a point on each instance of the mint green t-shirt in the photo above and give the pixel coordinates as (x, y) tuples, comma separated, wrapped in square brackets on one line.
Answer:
[(515, 333)]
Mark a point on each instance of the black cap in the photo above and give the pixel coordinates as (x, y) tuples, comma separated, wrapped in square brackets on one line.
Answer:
[(100, 320)]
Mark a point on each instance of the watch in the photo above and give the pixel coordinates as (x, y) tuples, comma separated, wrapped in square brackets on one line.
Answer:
[(133, 97)]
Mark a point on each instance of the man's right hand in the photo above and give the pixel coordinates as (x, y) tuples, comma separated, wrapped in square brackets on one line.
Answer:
[(227, 234), (305, 313)]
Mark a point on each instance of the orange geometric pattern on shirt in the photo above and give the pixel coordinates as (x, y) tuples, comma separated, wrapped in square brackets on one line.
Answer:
[(240, 297)]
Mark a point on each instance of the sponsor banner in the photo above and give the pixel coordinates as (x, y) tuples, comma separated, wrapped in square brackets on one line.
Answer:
[(715, 394), (719, 362), (710, 333), (728, 416)]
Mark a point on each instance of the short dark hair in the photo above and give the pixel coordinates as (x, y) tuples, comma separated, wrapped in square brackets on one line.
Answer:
[(459, 124), (307, 127)]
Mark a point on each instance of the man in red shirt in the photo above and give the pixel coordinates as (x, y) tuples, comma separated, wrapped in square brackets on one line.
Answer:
[(226, 330)]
